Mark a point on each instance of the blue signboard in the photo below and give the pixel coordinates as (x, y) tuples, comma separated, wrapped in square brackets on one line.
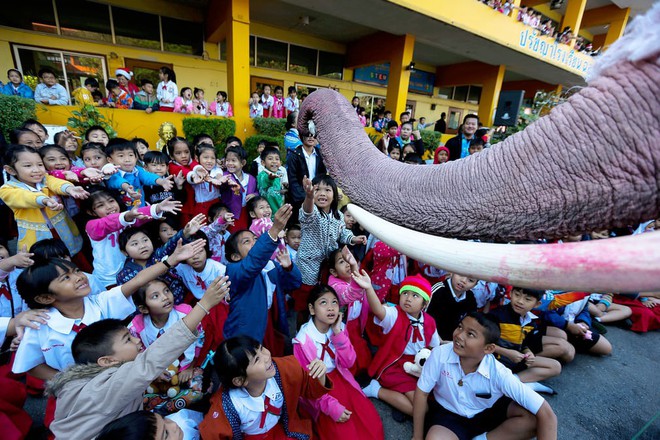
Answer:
[(420, 81)]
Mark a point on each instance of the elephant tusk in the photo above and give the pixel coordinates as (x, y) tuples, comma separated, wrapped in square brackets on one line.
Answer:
[(624, 264)]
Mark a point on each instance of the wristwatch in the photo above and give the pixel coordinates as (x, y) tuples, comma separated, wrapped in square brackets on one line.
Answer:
[(164, 261)]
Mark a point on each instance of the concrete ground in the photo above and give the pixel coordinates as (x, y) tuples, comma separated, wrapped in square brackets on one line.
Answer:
[(616, 397)]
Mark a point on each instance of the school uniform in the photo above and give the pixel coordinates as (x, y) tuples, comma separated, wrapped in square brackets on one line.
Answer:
[(167, 91), (43, 92), (336, 352), (278, 110), (188, 420), (198, 282), (206, 193), (447, 308), (188, 210), (461, 401), (233, 411), (223, 109), (137, 178), (217, 235), (518, 333), (23, 90), (256, 111), (291, 105), (235, 199), (267, 103)]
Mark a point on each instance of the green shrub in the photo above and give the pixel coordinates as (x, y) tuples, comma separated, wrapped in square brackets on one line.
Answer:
[(218, 128), (431, 139), (252, 142), (269, 126), (13, 111), (88, 116)]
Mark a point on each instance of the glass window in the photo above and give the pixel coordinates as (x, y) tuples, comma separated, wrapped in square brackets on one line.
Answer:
[(461, 93), (253, 45), (182, 36), (302, 60), (83, 19), (331, 65), (39, 16), (474, 94), (271, 54), (445, 92), (134, 28)]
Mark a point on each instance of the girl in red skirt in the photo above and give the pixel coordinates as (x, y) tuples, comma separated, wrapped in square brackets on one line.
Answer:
[(400, 332), (342, 264), (345, 412), (180, 152)]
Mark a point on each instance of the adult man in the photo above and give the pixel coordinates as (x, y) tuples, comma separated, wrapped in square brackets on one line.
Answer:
[(441, 124), (305, 160), (459, 145)]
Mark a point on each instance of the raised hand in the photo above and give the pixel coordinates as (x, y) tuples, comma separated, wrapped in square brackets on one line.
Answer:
[(166, 182), (179, 179), (282, 216), (349, 258), (184, 252), (77, 192), (307, 185), (194, 225), (52, 204), (336, 326), (317, 368), (134, 214), (362, 279), (216, 292), (229, 218), (169, 205), (284, 258)]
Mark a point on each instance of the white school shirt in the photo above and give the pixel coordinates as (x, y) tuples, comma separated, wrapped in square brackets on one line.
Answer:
[(6, 305), (413, 348), (310, 159), (244, 183), (270, 287), (250, 408), (256, 111), (206, 191), (198, 282), (293, 254), (267, 101), (222, 109), (442, 373), (167, 91), (483, 292), (309, 329), (291, 104), (51, 344), (188, 420)]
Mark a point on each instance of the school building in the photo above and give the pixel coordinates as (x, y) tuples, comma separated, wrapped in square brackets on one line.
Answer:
[(432, 56)]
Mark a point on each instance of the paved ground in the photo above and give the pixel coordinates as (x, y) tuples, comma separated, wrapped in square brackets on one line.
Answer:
[(615, 397)]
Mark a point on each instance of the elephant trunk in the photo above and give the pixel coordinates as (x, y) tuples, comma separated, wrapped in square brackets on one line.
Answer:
[(581, 168)]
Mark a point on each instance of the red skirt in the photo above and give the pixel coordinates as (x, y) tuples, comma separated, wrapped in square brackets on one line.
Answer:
[(166, 109), (203, 207), (273, 339), (14, 420), (364, 423), (362, 352), (275, 433), (644, 319), (241, 222), (396, 379)]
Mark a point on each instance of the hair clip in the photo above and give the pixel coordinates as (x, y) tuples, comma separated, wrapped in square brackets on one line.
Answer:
[(208, 359)]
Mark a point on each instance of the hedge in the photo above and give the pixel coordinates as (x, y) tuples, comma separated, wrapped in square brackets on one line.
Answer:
[(218, 128), (252, 142), (431, 139), (14, 110), (270, 126)]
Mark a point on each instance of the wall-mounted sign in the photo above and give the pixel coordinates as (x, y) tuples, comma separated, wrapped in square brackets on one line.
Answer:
[(378, 74)]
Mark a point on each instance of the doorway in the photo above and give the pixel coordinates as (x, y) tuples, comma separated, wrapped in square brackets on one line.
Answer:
[(145, 70), (454, 120), (257, 84)]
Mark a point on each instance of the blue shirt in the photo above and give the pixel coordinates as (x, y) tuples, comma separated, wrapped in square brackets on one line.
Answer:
[(23, 90), (43, 92)]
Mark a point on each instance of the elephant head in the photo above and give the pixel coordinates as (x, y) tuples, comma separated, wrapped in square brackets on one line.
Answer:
[(592, 163)]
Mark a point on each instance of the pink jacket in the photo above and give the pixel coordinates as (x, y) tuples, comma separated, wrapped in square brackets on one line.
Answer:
[(99, 228), (305, 352), (214, 106), (348, 293), (179, 107), (75, 170)]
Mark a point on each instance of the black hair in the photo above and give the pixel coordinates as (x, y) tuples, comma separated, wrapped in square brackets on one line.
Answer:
[(327, 265), (34, 280), (534, 293), (223, 94), (95, 193), (155, 157), (238, 151), (293, 227), (46, 148), (268, 151), (402, 114), (120, 144), (111, 84), (204, 146), (183, 90), (477, 142), (272, 144), (29, 122), (92, 82), (58, 137), (96, 94), (171, 76), (11, 155), (95, 341), (50, 248), (139, 297), (15, 70), (278, 88), (201, 235), (291, 89), (16, 133), (216, 208), (138, 425), (231, 245), (128, 233), (394, 145), (290, 121), (326, 179), (197, 139), (232, 359), (407, 123), (44, 70), (481, 132), (197, 90), (93, 146), (319, 290), (154, 227), (94, 128), (392, 124), (490, 325), (251, 204), (137, 140), (145, 81), (470, 115), (231, 139), (414, 158), (169, 147), (387, 111)]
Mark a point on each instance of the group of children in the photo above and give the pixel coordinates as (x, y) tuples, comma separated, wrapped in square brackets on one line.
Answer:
[(220, 282)]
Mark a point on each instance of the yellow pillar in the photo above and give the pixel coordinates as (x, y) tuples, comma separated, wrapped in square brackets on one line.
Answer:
[(573, 15), (399, 77), (617, 26), (238, 64), (490, 94)]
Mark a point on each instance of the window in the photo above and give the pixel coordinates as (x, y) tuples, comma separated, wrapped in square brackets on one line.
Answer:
[(83, 19), (271, 54), (302, 60), (445, 92), (134, 28), (283, 56), (70, 68), (182, 36), (371, 104), (474, 94), (331, 65), (461, 93), (145, 70), (39, 16)]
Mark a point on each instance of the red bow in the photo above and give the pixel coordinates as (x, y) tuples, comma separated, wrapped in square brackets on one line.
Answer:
[(77, 327), (268, 408), (326, 349), (4, 291), (164, 87), (200, 282)]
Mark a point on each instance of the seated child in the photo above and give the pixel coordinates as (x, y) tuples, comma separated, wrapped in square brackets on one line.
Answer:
[(219, 218), (604, 310), (50, 91), (117, 98), (145, 425), (403, 331), (269, 182), (109, 363), (324, 337), (452, 299), (259, 395), (157, 162), (521, 339), (474, 394)]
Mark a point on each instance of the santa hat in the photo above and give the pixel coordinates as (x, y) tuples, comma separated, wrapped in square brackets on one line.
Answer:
[(417, 284), (123, 71)]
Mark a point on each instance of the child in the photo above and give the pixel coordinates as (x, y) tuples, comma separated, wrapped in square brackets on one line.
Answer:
[(362, 116), (390, 267), (219, 218), (157, 162), (237, 197), (200, 106), (83, 95), (108, 359), (36, 127), (476, 145), (117, 98), (521, 339), (269, 182), (24, 136), (291, 137), (379, 122), (451, 300), (403, 331), (93, 156), (33, 197), (441, 155), (278, 110), (183, 165), (291, 103), (146, 425), (259, 396), (98, 98), (267, 101), (16, 86), (49, 91), (167, 90), (131, 178), (384, 143), (58, 164), (410, 137), (208, 191), (324, 337), (96, 133), (137, 246), (107, 222), (221, 107), (145, 99), (255, 166), (200, 270), (184, 103), (293, 237), (68, 141), (342, 265), (473, 393), (142, 148), (256, 109)]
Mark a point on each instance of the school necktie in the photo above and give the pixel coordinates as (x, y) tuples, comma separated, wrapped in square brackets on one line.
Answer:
[(200, 282), (77, 327), (268, 408), (4, 291), (327, 349), (417, 335)]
